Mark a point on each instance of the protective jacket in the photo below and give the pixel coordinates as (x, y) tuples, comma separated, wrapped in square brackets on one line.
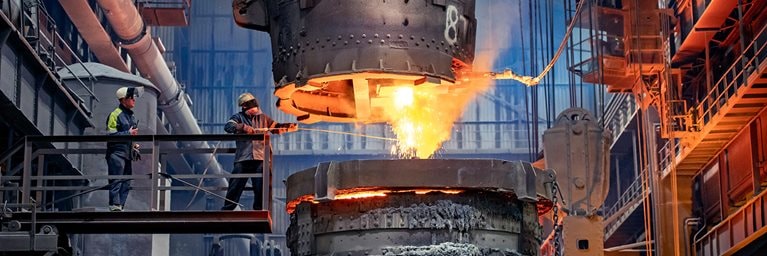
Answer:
[(120, 122), (250, 150)]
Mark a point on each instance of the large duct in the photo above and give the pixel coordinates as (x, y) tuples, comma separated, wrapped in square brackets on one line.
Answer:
[(134, 36)]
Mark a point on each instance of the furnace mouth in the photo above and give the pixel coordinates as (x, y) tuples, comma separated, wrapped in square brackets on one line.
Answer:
[(360, 97), (348, 180), (543, 205)]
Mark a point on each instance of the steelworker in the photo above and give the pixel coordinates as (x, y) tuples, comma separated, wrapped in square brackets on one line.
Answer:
[(120, 154), (249, 156)]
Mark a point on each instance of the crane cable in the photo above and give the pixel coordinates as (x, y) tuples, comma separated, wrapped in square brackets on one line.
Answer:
[(533, 81), (349, 133)]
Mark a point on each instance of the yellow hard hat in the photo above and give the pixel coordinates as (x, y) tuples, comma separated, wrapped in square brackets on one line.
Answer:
[(245, 97)]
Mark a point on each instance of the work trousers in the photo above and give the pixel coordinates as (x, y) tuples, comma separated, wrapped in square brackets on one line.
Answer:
[(236, 185), (118, 191)]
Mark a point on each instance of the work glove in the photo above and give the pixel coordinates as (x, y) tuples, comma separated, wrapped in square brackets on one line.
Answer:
[(292, 127), (250, 130), (244, 128), (135, 153)]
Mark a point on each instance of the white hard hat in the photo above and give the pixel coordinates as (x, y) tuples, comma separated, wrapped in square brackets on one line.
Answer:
[(126, 92), (245, 97)]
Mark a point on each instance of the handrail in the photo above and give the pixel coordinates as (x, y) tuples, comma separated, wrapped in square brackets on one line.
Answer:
[(58, 38), (11, 151), (66, 66), (667, 160), (32, 153), (628, 195), (714, 96), (36, 26), (745, 227)]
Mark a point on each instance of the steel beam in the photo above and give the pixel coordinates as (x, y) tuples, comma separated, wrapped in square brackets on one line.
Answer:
[(152, 222)]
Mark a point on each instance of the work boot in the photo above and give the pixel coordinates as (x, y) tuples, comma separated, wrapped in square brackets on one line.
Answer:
[(115, 208)]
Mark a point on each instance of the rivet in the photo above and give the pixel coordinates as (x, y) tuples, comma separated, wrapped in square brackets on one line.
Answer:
[(351, 36), (401, 36), (364, 35), (388, 35), (376, 35), (358, 41)]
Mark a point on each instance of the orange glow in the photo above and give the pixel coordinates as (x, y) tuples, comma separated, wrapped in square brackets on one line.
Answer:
[(369, 193), (422, 116), (364, 194)]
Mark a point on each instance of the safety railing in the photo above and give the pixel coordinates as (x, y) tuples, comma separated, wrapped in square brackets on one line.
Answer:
[(40, 30), (36, 183), (631, 193), (666, 156), (618, 213), (620, 111), (734, 78), (740, 228)]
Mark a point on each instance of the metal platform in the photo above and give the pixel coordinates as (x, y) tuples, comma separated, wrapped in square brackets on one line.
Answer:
[(151, 222), (737, 98)]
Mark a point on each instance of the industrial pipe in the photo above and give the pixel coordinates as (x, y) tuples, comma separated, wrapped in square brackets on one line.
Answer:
[(134, 36)]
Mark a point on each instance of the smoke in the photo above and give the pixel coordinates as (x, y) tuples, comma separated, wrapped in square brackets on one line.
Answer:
[(423, 117), (497, 22)]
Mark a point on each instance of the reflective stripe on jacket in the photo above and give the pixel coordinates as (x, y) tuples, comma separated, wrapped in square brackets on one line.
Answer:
[(119, 122)]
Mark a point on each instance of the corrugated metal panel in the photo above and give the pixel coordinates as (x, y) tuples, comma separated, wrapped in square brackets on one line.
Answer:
[(206, 8), (201, 34), (167, 35), (7, 73), (229, 36)]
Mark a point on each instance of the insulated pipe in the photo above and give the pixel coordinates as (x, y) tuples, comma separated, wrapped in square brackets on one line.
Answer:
[(134, 36), (79, 11)]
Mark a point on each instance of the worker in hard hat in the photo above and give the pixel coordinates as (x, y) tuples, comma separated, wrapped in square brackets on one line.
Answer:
[(119, 154), (249, 156)]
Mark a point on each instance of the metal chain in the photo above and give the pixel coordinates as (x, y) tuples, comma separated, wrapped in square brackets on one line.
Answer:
[(555, 211)]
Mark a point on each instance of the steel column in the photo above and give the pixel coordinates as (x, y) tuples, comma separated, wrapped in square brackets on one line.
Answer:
[(27, 172), (154, 175)]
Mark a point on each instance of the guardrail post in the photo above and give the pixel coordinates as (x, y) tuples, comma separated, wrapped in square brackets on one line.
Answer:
[(266, 193), (38, 178), (164, 182), (154, 181), (27, 172)]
